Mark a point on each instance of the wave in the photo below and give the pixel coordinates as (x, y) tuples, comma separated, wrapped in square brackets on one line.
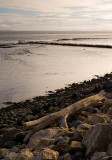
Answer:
[(55, 43)]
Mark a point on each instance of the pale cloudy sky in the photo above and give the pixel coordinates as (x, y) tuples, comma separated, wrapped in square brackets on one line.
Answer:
[(68, 15)]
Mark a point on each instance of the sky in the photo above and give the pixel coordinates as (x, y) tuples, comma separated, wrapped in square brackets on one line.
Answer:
[(56, 15)]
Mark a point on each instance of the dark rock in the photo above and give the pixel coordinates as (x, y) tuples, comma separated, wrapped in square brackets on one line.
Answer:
[(75, 146), (9, 144), (10, 134), (98, 138), (65, 157), (77, 136), (101, 156), (107, 104), (109, 150), (62, 145)]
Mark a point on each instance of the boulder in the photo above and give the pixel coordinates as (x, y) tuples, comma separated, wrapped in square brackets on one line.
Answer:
[(44, 142), (10, 134), (3, 152), (109, 111), (47, 154), (25, 155), (109, 150), (84, 126), (11, 156), (46, 133), (98, 118), (77, 136), (98, 138), (107, 104), (101, 156), (14, 149), (62, 144), (65, 157), (75, 146)]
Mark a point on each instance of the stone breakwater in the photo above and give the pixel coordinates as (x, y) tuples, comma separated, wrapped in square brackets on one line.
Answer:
[(10, 45), (88, 136)]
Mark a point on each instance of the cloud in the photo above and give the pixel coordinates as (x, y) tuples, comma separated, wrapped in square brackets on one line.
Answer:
[(55, 14)]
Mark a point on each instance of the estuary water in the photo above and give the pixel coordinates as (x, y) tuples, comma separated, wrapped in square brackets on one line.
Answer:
[(29, 70)]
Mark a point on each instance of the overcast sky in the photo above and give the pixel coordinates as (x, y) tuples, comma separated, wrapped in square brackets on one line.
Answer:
[(67, 15)]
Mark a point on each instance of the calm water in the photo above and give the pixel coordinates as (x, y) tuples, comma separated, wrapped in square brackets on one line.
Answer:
[(30, 70)]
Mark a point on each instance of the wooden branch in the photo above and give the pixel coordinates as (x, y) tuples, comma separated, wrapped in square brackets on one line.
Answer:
[(61, 116)]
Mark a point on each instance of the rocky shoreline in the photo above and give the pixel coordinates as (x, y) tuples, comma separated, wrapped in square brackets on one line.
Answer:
[(75, 142)]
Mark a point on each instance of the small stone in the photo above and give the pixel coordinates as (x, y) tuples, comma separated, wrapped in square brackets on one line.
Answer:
[(84, 126), (91, 110), (47, 154), (14, 149), (65, 157), (101, 156), (62, 145), (109, 150), (75, 123), (25, 155), (77, 136), (3, 152), (109, 111), (9, 144), (11, 156), (98, 118), (79, 155), (107, 104), (75, 147)]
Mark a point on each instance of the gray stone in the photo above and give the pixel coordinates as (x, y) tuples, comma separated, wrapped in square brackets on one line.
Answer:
[(98, 138)]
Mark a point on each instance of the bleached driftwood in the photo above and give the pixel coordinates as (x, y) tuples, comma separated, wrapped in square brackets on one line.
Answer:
[(61, 116)]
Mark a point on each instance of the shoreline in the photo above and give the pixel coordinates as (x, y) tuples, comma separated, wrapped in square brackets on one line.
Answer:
[(14, 117), (55, 100)]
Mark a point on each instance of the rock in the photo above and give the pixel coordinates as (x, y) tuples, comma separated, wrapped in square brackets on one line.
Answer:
[(82, 131), (46, 133), (10, 134), (65, 157), (81, 118), (84, 126), (3, 152), (109, 96), (25, 155), (20, 136), (69, 134), (75, 146), (9, 144), (14, 149), (77, 136), (79, 155), (109, 111), (101, 156), (62, 145), (98, 118), (29, 118), (84, 113), (44, 142), (75, 123), (11, 156), (109, 150), (47, 154), (91, 110), (98, 138), (107, 104)]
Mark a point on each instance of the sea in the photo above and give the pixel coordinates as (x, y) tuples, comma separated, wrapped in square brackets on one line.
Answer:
[(29, 70)]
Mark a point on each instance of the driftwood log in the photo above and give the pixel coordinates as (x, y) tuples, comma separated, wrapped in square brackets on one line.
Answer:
[(62, 115)]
